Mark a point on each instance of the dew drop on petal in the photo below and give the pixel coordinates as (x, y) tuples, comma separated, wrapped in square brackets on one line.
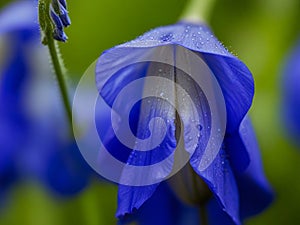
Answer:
[(199, 127)]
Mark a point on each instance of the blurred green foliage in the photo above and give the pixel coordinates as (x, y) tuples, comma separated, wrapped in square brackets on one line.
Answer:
[(259, 32)]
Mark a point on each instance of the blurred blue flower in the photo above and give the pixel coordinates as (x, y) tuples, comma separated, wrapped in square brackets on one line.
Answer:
[(15, 73), (34, 137), (291, 98), (235, 177)]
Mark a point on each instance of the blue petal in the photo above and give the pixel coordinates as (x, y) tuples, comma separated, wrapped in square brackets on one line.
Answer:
[(254, 189), (291, 99), (139, 120), (237, 85), (66, 171), (131, 198), (26, 18), (65, 19), (14, 75), (237, 149), (221, 181), (56, 20), (216, 215), (59, 35), (60, 8), (163, 208), (63, 3), (254, 192), (233, 76), (144, 126)]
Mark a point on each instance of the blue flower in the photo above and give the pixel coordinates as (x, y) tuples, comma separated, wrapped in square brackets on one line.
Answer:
[(235, 175), (291, 99), (34, 137)]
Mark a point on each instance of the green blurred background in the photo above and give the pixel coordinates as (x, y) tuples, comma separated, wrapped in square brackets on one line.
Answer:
[(259, 32)]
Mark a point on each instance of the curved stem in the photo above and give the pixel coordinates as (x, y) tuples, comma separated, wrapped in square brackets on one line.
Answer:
[(46, 26), (198, 10), (58, 69)]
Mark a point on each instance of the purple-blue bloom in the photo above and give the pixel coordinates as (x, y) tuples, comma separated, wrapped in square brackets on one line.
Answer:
[(34, 136), (291, 99), (235, 177)]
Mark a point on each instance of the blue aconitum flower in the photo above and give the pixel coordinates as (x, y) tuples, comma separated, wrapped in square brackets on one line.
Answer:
[(291, 99), (34, 137), (229, 183)]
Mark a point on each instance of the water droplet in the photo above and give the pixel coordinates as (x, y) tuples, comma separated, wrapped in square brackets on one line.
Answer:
[(199, 127)]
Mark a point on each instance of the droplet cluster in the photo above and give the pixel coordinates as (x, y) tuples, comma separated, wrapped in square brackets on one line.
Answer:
[(196, 37)]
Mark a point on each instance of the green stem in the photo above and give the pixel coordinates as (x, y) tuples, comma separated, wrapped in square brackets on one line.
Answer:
[(198, 10), (203, 215), (57, 65), (46, 26)]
